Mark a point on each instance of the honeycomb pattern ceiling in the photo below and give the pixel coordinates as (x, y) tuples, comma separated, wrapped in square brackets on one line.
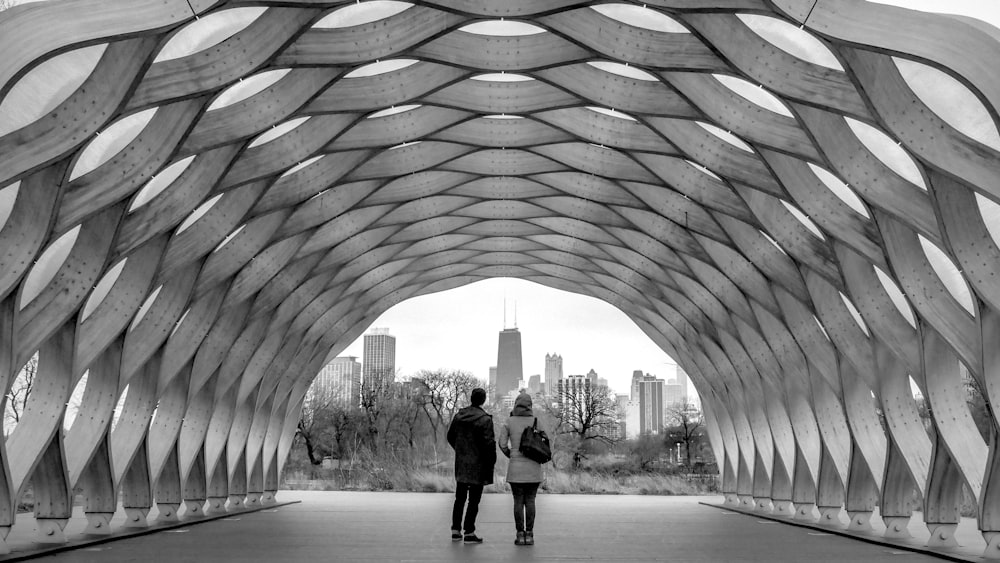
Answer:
[(799, 201)]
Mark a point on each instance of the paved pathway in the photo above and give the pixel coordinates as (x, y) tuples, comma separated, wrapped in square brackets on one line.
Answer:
[(369, 527)]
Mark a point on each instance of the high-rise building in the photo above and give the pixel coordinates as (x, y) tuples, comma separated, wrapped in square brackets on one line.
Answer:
[(379, 360), (622, 399), (682, 380), (510, 370), (632, 419), (572, 391), (634, 389), (673, 394), (535, 384), (493, 378), (649, 404), (553, 373), (339, 381)]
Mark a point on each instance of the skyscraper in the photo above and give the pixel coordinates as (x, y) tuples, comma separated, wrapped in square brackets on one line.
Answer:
[(573, 391), (650, 404), (553, 373), (535, 384), (682, 380), (644, 412), (673, 394), (379, 360), (510, 370), (634, 389), (493, 377), (339, 381)]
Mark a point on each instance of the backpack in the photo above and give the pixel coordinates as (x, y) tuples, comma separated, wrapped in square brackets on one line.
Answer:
[(535, 444)]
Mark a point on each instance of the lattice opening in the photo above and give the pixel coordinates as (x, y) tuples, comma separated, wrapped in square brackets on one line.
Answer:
[(756, 94), (207, 31), (46, 86), (144, 308), (381, 67), (8, 196), (230, 237), (623, 70), (611, 113), (726, 136), (111, 141), (641, 16), (793, 40), (840, 189), (503, 28), (362, 13), (951, 100), (48, 265), (75, 401), (502, 77), (854, 314), (804, 219), (277, 131), (890, 152), (102, 288), (247, 87), (160, 182), (897, 296), (949, 274), (393, 111), (200, 211)]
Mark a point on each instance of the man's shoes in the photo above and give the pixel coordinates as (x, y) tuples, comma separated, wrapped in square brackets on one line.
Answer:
[(519, 540), (473, 538), (456, 535), (529, 538)]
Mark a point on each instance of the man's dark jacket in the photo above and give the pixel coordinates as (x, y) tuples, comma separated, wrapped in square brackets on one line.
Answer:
[(471, 434)]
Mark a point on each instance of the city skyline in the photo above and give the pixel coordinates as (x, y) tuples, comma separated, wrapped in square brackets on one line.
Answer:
[(458, 329)]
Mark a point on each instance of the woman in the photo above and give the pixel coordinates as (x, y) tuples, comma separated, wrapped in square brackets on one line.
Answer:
[(523, 474)]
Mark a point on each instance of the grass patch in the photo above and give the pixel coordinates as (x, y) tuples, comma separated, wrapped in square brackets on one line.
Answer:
[(556, 482)]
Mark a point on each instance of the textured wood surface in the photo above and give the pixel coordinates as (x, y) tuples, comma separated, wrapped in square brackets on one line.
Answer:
[(657, 187)]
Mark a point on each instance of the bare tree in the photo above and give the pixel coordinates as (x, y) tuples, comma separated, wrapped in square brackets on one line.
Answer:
[(684, 423), (588, 416), (20, 390), (979, 408), (646, 449), (440, 393), (404, 415), (314, 422), (383, 404), (5, 4)]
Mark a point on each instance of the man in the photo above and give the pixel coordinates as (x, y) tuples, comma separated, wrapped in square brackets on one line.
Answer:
[(471, 435)]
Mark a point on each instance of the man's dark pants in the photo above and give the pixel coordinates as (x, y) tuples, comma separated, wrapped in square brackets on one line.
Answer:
[(474, 493)]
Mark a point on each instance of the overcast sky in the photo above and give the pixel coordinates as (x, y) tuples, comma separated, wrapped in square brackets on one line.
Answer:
[(986, 10), (459, 329)]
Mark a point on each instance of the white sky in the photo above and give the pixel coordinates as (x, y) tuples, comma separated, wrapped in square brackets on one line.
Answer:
[(459, 329), (986, 10)]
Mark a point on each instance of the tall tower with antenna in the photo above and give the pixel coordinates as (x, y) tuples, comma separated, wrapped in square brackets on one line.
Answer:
[(510, 369)]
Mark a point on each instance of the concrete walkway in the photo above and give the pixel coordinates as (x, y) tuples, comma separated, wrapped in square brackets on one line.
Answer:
[(971, 544), (368, 527)]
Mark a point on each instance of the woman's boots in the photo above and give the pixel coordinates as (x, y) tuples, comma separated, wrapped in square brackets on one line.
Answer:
[(525, 538)]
